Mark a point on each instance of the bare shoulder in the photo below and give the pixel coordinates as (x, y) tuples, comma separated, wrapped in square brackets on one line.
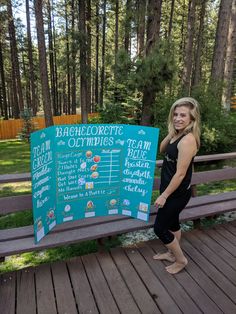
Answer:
[(188, 142), (188, 139)]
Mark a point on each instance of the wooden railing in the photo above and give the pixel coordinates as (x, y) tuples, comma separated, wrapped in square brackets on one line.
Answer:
[(21, 239), (9, 129)]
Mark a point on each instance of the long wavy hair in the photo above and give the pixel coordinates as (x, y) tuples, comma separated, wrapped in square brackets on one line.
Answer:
[(194, 126)]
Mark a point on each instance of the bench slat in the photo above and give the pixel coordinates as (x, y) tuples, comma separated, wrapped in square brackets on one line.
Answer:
[(13, 204), (214, 175), (104, 229), (15, 177), (206, 210), (27, 231), (73, 236)]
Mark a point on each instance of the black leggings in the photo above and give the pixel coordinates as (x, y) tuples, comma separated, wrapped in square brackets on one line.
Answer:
[(167, 218)]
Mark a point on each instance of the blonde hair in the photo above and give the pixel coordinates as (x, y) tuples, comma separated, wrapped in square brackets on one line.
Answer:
[(194, 126)]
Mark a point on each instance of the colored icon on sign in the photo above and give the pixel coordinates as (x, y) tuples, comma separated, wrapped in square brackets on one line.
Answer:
[(94, 175), (89, 154), (113, 202), (94, 167), (126, 202), (67, 208), (96, 158)]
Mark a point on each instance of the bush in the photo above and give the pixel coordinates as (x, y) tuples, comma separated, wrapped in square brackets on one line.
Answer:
[(218, 130)]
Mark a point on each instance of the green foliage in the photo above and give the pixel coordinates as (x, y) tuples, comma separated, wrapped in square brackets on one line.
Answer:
[(218, 126), (121, 100), (218, 130), (156, 69), (124, 93), (28, 125)]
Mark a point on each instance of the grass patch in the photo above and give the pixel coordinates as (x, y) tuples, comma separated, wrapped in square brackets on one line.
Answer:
[(14, 157), (15, 220)]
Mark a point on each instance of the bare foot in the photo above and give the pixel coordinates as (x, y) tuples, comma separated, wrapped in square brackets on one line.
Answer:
[(176, 267), (168, 256)]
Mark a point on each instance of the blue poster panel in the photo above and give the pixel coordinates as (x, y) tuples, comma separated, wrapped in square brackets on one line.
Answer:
[(82, 171), (43, 182)]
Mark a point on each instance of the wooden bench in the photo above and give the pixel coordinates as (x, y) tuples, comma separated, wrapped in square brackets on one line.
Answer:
[(21, 239)]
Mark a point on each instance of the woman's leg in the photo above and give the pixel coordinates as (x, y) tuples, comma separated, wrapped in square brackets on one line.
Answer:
[(161, 229), (167, 221), (169, 256), (180, 260)]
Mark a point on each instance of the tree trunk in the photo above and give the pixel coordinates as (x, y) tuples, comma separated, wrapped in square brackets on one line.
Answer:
[(171, 18), (96, 88), (88, 23), (153, 24), (117, 28), (188, 55), (196, 78), (31, 63), (218, 62), (43, 63), (83, 79), (127, 26), (51, 59), (153, 30), (57, 106), (141, 13), (67, 59), (73, 60), (14, 54), (230, 59), (2, 76), (103, 53)]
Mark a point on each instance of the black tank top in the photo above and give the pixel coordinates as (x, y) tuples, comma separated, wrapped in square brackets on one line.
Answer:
[(169, 169)]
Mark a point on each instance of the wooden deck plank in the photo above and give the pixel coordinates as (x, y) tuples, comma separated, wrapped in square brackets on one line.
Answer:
[(213, 258), (129, 281), (218, 275), (222, 241), (155, 287), (216, 247), (205, 282), (117, 285), (104, 298), (7, 293), (26, 298), (190, 287), (228, 297), (230, 227), (143, 299), (227, 234), (82, 290), (184, 302), (45, 297), (63, 290)]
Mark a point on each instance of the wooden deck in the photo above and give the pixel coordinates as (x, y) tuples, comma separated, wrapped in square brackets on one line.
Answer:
[(130, 281)]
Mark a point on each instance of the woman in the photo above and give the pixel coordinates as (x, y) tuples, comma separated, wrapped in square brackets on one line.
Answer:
[(180, 146)]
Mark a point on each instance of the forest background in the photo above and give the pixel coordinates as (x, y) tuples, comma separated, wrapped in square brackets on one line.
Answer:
[(129, 60)]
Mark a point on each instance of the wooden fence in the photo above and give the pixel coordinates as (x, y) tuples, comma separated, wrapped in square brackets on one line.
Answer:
[(9, 129), (233, 102)]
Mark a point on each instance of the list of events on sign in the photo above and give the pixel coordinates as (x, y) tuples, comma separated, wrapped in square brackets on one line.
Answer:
[(82, 171)]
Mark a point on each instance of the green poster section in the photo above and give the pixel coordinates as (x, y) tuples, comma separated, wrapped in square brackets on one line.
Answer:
[(83, 171)]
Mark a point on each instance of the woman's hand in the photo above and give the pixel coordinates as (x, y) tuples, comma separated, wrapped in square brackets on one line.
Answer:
[(160, 201)]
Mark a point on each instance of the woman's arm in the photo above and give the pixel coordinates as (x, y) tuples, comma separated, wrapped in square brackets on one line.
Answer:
[(187, 148)]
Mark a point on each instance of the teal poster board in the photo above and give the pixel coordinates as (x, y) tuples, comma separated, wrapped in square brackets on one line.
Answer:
[(81, 171)]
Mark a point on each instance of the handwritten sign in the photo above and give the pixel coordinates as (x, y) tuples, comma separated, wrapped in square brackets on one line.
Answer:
[(81, 171)]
